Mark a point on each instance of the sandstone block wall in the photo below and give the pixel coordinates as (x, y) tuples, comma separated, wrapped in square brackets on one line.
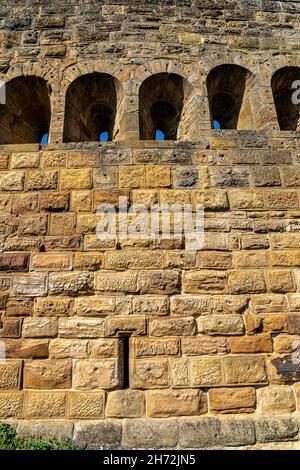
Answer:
[(212, 334)]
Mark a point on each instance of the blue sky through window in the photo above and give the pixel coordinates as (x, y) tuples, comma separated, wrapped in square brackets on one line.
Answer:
[(103, 137), (44, 139), (217, 125), (159, 135)]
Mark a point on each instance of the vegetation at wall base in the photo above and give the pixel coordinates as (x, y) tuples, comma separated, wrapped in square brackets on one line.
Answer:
[(9, 440)]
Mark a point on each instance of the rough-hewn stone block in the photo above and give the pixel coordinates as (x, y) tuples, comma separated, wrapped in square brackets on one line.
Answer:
[(96, 373), (84, 405), (48, 374), (125, 404), (168, 403), (232, 400), (150, 433)]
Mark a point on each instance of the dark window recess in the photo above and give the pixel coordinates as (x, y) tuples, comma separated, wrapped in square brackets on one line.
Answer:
[(91, 108), (226, 87), (26, 116), (161, 99), (284, 85), (125, 361)]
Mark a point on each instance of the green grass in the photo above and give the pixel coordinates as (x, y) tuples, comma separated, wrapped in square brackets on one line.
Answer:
[(9, 440)]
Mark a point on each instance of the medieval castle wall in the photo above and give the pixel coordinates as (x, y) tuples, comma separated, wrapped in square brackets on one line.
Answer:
[(140, 342)]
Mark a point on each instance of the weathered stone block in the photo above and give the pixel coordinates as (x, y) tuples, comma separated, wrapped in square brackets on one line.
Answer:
[(96, 373), (29, 285), (84, 405), (147, 347), (205, 432), (245, 199), (75, 179), (244, 370), (150, 305), (53, 307), (14, 261), (125, 404), (132, 176), (280, 280), (205, 371), (12, 181), (232, 400), (68, 348), (41, 180), (135, 325), (158, 282), (25, 202), (195, 282), (33, 225), (172, 326), (105, 347), (51, 261), (116, 282), (276, 399), (276, 429), (105, 434), (150, 433), (168, 403), (81, 328), (202, 345), (48, 374), (100, 305), (26, 348), (149, 373), (241, 282), (190, 304), (10, 375), (45, 405), (261, 343), (39, 327), (60, 429), (221, 325), (70, 283), (158, 176), (281, 199), (11, 404), (54, 201), (62, 224), (133, 260), (88, 261), (286, 344)]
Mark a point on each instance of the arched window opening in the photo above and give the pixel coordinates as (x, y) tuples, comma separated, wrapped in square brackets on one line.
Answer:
[(228, 88), (26, 116), (286, 97), (161, 101), (91, 108)]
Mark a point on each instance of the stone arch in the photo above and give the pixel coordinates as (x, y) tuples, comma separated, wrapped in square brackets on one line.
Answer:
[(161, 99), (285, 83), (26, 115), (166, 96), (91, 107), (229, 89), (120, 76)]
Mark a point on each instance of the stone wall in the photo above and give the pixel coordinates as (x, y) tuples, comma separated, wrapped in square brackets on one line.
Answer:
[(213, 333)]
